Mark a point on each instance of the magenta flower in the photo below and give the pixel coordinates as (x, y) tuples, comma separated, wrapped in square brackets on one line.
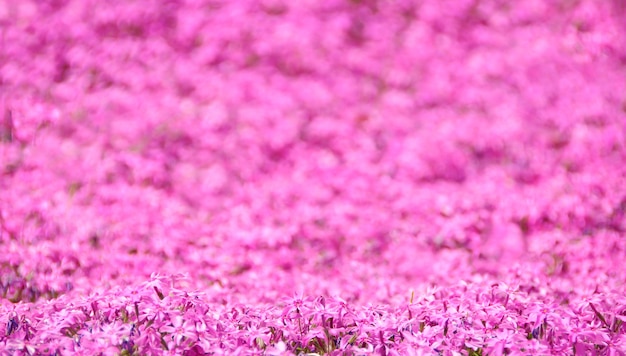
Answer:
[(180, 330)]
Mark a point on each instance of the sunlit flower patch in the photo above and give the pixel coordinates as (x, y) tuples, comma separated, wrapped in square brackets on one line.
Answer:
[(343, 177)]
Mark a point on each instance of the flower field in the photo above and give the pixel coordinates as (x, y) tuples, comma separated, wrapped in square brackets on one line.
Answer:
[(341, 177)]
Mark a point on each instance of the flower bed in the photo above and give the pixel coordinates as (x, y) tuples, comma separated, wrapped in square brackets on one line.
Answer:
[(313, 177)]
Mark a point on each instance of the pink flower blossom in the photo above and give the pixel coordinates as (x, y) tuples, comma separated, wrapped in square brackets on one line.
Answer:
[(180, 330)]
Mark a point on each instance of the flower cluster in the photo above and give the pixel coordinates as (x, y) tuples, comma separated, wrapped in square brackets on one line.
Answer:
[(314, 177)]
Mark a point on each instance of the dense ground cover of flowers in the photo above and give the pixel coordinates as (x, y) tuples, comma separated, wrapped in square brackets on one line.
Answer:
[(331, 177)]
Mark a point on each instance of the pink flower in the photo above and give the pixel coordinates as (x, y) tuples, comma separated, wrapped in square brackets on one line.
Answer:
[(180, 330)]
